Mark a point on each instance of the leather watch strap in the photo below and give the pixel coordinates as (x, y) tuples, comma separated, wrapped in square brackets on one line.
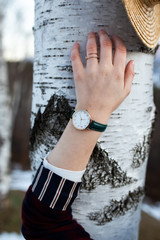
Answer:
[(72, 113), (97, 126)]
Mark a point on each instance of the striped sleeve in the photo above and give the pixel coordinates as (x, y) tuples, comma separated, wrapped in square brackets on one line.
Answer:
[(53, 190)]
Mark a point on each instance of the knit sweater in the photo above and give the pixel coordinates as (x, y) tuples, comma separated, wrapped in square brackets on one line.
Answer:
[(46, 208)]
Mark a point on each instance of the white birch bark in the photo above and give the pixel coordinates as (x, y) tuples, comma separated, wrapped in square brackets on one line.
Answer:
[(5, 124), (109, 203)]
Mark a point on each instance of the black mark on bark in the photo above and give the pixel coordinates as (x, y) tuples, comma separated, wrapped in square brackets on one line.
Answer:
[(47, 11), (64, 4), (46, 22), (48, 56), (149, 109), (141, 150), (102, 170), (117, 208), (67, 68), (139, 153), (50, 124), (56, 48)]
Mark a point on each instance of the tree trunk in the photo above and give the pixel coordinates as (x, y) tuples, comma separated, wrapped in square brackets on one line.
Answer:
[(109, 203), (5, 124)]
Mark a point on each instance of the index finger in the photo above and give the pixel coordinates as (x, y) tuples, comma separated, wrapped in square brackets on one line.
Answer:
[(77, 64)]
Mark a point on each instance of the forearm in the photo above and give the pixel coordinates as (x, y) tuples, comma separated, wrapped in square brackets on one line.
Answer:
[(74, 148)]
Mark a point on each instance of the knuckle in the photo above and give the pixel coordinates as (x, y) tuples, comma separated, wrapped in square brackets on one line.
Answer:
[(119, 74), (91, 47), (119, 44), (92, 73), (106, 42), (103, 71), (121, 48)]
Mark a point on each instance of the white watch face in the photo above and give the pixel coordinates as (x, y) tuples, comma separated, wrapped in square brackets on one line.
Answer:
[(81, 119)]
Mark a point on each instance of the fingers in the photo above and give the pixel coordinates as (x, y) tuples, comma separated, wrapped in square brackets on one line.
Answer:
[(128, 77), (119, 58), (105, 49), (90, 49), (77, 64)]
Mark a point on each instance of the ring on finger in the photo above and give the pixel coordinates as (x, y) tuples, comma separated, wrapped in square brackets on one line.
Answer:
[(92, 55)]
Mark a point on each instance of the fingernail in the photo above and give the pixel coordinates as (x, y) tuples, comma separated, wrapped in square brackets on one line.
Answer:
[(101, 30), (76, 44), (91, 32), (114, 36)]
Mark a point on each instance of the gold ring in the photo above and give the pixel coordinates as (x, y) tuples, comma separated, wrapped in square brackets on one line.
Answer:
[(91, 57), (92, 53)]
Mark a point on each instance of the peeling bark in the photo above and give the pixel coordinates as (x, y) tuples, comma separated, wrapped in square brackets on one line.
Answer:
[(115, 175)]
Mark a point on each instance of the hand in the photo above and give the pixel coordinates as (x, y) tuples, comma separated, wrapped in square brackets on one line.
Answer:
[(102, 86)]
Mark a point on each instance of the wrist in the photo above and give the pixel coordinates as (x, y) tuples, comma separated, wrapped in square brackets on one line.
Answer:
[(100, 116)]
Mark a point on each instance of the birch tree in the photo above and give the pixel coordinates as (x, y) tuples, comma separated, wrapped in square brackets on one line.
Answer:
[(109, 203), (5, 118)]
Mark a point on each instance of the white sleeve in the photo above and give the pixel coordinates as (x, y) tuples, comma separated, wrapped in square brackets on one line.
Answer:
[(74, 176)]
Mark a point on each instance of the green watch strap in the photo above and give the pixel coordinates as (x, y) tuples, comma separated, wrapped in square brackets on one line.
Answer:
[(72, 113), (97, 126), (94, 125)]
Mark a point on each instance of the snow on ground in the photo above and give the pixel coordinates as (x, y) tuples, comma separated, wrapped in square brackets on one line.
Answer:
[(20, 180), (11, 236)]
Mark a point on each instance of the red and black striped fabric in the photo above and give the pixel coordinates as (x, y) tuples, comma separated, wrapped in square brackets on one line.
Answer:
[(46, 208), (54, 191)]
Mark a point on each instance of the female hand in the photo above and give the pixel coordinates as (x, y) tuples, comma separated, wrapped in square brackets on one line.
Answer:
[(102, 86)]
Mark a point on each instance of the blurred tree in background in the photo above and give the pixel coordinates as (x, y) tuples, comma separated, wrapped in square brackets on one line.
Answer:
[(5, 115)]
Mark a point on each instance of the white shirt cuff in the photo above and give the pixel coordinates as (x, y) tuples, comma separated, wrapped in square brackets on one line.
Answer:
[(75, 176)]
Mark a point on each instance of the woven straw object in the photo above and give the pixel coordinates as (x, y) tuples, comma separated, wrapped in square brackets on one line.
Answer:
[(145, 18)]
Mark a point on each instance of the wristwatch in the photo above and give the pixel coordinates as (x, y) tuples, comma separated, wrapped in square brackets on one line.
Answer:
[(81, 120)]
